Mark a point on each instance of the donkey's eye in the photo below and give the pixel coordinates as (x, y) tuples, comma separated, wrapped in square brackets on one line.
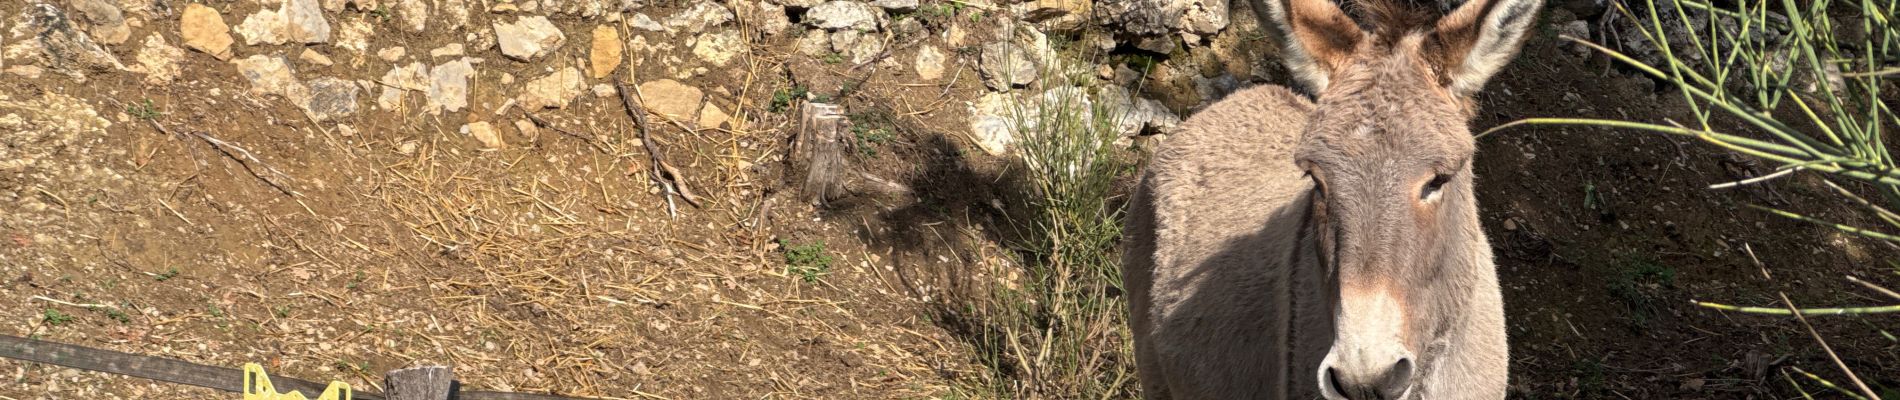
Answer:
[(1432, 187)]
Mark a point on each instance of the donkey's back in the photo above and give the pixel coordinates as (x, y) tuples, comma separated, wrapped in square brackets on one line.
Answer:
[(1228, 278)]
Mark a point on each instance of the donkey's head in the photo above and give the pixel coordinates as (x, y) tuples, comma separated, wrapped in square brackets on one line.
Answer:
[(1389, 151)]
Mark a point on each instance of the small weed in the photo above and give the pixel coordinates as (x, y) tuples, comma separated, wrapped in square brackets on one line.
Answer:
[(847, 88), (167, 275), (1139, 62), (1630, 284), (347, 366), (281, 311), (55, 318), (944, 9), (783, 98), (380, 13), (870, 131), (1590, 195), (214, 311), (1589, 373), (833, 58), (808, 261), (143, 110), (116, 315)]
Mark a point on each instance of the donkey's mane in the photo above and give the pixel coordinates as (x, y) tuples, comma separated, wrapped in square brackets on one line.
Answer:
[(1390, 20)]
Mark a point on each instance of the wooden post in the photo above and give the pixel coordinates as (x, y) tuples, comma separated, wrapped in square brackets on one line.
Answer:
[(433, 382)]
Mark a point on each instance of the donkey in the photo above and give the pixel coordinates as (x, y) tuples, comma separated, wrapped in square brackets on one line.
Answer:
[(1284, 248)]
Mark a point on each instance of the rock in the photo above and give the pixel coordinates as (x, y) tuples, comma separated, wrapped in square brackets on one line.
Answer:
[(392, 54), (1055, 15), (552, 91), (331, 98), (1211, 89), (304, 22), (994, 117), (264, 27), (448, 86), (815, 43), (645, 23), (769, 19), (958, 36), (271, 75), (108, 22), (671, 98), (447, 50), (844, 14), (1575, 29), (1124, 76), (159, 60), (455, 12), (1585, 9), (1152, 117), (311, 56), (482, 39), (528, 38), (908, 27), (1155, 25), (712, 117), (43, 130), (929, 63), (896, 5), (26, 71), (988, 124), (485, 133), (605, 55), (204, 30), (800, 4), (1005, 65), (355, 35), (415, 14), (50, 41), (705, 14), (861, 48), (527, 129), (400, 80), (719, 48), (604, 91)]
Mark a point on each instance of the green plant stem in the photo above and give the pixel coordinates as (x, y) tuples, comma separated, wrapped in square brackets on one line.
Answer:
[(1804, 311)]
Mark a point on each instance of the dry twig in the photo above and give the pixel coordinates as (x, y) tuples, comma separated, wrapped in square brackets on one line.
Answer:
[(1830, 349), (670, 179), (233, 152)]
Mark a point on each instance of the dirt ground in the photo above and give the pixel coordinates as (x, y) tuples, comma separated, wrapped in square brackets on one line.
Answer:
[(553, 266)]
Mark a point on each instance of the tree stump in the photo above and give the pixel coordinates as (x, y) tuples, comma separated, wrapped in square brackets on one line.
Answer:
[(433, 382), (823, 141)]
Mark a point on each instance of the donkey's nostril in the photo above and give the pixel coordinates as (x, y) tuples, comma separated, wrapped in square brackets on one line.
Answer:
[(1332, 380), (1387, 383), (1397, 380)]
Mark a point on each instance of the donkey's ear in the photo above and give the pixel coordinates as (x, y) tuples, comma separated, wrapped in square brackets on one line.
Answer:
[(1478, 39), (1320, 38)]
